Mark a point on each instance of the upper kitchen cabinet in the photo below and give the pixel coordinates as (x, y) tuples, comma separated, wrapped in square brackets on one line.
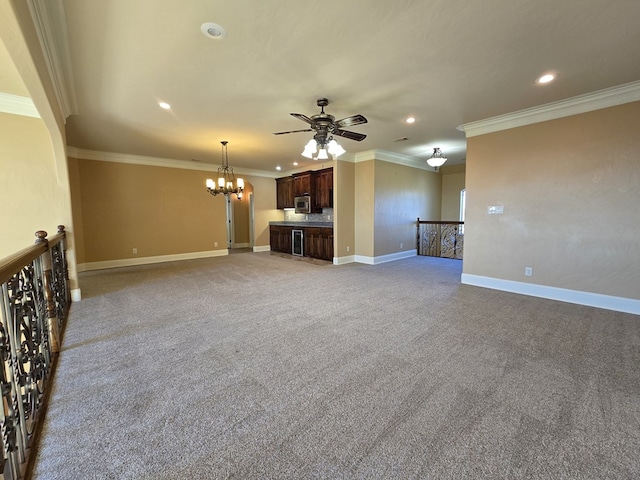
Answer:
[(317, 184), (302, 184), (324, 188), (284, 193)]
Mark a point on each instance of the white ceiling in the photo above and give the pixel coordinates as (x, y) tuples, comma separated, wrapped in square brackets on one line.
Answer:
[(447, 62)]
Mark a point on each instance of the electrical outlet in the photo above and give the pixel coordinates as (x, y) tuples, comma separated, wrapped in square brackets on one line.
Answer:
[(135, 251), (401, 245), (528, 271), (348, 248), (215, 244)]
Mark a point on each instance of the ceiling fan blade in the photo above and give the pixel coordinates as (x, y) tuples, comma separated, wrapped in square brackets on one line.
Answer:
[(294, 131), (350, 121), (358, 137), (302, 117)]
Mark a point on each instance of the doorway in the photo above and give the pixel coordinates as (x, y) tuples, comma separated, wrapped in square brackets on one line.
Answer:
[(240, 221)]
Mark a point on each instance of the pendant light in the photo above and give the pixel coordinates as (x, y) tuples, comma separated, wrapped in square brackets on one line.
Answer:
[(437, 159)]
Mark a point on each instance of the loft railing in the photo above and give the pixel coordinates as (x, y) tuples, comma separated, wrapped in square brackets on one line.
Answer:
[(440, 239), (34, 303)]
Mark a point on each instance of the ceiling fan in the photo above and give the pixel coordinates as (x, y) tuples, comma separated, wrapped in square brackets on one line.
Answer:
[(326, 125)]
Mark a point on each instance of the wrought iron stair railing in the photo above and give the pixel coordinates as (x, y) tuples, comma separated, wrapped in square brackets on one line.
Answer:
[(34, 303), (440, 239)]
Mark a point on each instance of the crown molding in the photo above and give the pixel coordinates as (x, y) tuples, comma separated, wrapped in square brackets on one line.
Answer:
[(383, 155), (392, 157), (82, 154), (51, 27), (17, 105), (609, 97)]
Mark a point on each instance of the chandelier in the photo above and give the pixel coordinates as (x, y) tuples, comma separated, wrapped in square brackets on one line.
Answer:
[(227, 182), (437, 159)]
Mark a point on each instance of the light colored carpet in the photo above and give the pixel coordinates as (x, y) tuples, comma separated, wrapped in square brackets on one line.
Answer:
[(257, 366)]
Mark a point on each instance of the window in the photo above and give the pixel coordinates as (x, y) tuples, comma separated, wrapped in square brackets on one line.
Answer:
[(463, 201)]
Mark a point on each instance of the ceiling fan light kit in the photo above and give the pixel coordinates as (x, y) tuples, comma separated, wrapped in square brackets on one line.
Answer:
[(335, 148), (326, 126), (310, 149)]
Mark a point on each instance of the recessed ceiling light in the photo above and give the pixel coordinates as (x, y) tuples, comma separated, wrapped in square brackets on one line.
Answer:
[(546, 78), (410, 120), (164, 105), (295, 164), (278, 168), (213, 30)]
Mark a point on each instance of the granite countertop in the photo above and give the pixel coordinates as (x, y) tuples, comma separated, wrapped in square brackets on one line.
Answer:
[(303, 224)]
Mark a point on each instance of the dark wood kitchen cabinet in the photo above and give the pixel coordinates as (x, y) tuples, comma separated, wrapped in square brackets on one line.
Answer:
[(284, 192), (318, 184), (280, 238), (302, 184), (323, 188), (318, 242)]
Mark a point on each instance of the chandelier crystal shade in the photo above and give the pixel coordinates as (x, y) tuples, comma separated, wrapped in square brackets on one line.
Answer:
[(227, 182), (437, 159)]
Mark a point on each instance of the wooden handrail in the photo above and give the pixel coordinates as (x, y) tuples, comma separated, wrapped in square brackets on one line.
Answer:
[(34, 304), (439, 222), (13, 263)]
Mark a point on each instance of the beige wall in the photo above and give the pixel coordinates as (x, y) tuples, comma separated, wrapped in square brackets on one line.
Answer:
[(364, 194), (264, 208), (570, 190), (402, 194), (30, 195), (241, 216), (159, 211), (453, 181), (76, 208), (344, 209), (38, 144)]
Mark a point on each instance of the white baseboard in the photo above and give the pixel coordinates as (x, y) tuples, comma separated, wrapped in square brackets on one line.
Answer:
[(128, 262), (343, 260), (608, 302), (385, 258), (76, 295), (262, 248)]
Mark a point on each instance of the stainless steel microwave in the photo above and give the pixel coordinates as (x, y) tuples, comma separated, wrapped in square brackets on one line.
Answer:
[(303, 204)]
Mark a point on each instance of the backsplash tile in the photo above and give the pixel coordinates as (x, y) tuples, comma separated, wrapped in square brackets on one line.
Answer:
[(325, 216)]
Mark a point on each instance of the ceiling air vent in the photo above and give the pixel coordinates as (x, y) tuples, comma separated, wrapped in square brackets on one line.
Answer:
[(401, 139)]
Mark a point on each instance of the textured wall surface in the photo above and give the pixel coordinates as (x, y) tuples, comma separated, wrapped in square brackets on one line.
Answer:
[(344, 208), (31, 197), (570, 193), (402, 194), (364, 190), (453, 181), (157, 210)]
